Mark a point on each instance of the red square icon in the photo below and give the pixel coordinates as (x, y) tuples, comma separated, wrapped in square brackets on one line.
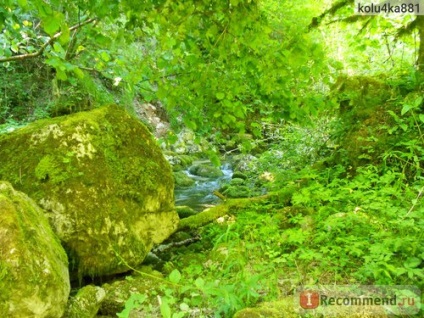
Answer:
[(309, 299)]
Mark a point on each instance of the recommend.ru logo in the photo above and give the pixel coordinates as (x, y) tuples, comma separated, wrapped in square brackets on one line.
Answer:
[(366, 299)]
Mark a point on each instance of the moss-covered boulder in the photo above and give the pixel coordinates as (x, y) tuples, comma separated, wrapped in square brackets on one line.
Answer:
[(182, 179), (239, 175), (145, 282), (85, 303), (103, 182), (206, 170), (287, 307), (237, 181), (283, 308), (178, 161), (239, 191), (34, 278)]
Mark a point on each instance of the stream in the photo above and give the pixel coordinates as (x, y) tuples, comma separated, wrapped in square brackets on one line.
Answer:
[(199, 196)]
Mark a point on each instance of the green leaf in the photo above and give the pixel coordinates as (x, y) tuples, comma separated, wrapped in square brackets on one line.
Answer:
[(44, 10), (61, 75), (190, 124), (79, 73), (105, 56), (412, 262), (404, 127), (405, 109), (418, 101), (175, 276), (133, 302), (102, 40), (52, 23), (22, 3), (213, 157), (66, 34), (421, 118), (165, 310), (220, 95), (58, 48), (200, 283), (14, 47)]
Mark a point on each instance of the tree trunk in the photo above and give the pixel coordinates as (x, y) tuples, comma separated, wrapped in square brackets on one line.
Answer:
[(420, 27)]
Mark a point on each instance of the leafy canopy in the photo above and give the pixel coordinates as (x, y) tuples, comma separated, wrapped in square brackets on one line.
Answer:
[(214, 65)]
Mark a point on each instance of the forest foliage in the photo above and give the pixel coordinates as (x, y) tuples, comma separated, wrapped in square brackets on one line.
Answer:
[(334, 102), (208, 63)]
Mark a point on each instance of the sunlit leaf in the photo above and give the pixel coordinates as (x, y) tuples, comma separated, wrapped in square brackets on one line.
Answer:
[(79, 73), (405, 109), (199, 282), (52, 23), (165, 310), (175, 276), (220, 95)]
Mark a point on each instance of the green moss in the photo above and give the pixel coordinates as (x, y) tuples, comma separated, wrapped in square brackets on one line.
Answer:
[(34, 279), (283, 308), (239, 191), (118, 292), (237, 181), (85, 303), (287, 308), (184, 211), (48, 169), (202, 218), (206, 170), (364, 105), (182, 179), (211, 214), (239, 175), (102, 180)]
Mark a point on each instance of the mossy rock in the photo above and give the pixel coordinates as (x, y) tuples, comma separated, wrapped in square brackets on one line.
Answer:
[(245, 163), (103, 182), (182, 179), (179, 162), (177, 168), (34, 277), (239, 175), (206, 170), (185, 211), (184, 160), (236, 181), (283, 308), (147, 282), (239, 191), (85, 303), (287, 307)]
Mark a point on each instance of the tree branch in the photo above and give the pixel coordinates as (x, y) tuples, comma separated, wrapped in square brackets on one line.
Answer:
[(45, 45), (316, 21)]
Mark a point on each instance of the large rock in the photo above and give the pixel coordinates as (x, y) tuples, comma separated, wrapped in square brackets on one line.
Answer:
[(103, 182), (34, 278), (283, 308), (86, 303), (182, 179), (206, 170)]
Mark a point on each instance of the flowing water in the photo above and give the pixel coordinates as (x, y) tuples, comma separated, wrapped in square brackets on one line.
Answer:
[(200, 195)]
